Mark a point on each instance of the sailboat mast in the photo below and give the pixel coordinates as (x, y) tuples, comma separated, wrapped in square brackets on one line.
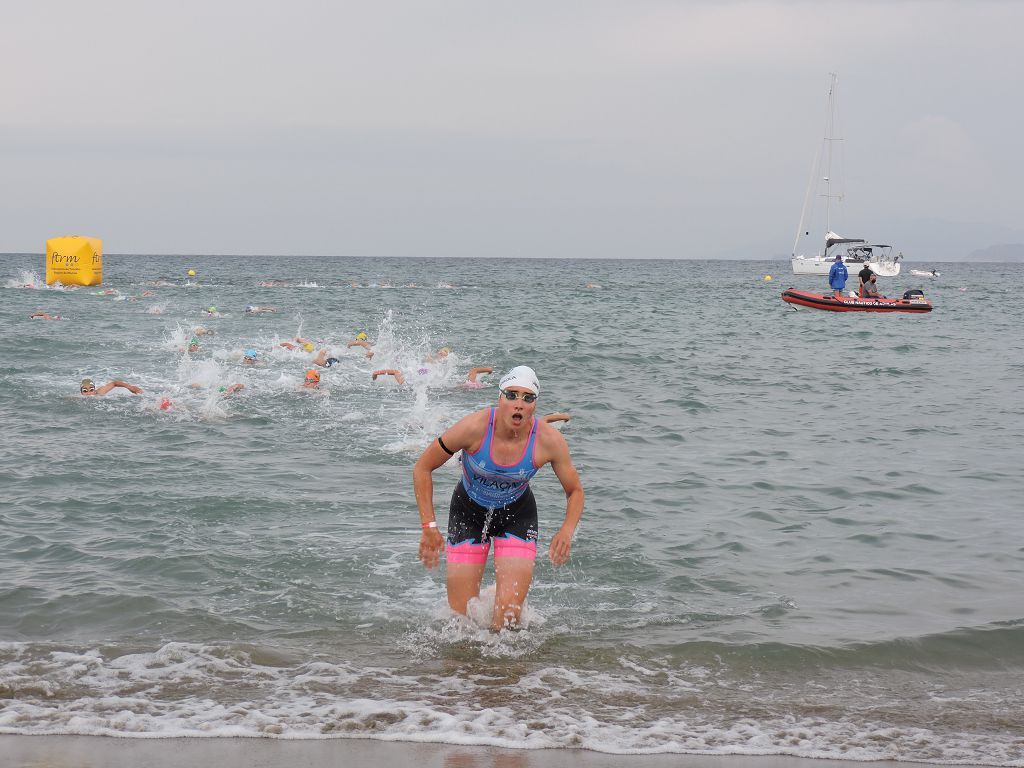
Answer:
[(829, 138)]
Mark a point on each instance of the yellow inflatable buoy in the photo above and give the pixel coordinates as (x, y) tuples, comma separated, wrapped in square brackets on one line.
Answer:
[(74, 260), (767, 278)]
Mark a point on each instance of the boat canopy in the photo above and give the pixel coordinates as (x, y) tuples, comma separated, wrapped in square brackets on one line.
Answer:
[(833, 239), (869, 248)]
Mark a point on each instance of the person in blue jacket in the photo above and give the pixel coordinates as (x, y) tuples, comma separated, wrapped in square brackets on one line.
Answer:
[(837, 276)]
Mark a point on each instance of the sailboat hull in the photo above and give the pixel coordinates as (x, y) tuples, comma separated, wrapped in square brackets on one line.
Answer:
[(819, 266)]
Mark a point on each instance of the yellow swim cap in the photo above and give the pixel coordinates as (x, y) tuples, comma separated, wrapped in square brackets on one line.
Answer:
[(361, 336), (191, 273), (308, 347)]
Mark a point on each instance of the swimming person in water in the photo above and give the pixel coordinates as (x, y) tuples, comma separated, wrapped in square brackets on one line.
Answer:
[(305, 344), (88, 389), (551, 418), (362, 340), (323, 360), (502, 448), (399, 378), (471, 381)]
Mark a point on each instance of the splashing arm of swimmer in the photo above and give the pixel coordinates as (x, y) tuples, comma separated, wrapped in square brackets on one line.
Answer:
[(556, 450), (390, 372), (553, 417), (474, 372), (118, 383), (364, 344), (467, 433)]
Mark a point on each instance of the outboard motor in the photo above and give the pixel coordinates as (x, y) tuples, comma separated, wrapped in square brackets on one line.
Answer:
[(912, 293)]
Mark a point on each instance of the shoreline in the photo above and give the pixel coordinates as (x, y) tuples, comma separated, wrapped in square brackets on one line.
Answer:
[(24, 751)]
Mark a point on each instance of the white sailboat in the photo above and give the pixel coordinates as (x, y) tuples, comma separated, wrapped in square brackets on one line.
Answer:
[(856, 252)]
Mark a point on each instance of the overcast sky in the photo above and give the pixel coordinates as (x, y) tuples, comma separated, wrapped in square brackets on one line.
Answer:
[(635, 128)]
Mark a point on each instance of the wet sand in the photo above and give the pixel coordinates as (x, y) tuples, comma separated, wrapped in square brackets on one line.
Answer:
[(104, 752)]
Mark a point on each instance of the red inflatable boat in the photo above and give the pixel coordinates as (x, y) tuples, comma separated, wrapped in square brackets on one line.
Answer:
[(912, 301)]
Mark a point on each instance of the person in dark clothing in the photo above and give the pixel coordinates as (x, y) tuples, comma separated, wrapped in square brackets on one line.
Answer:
[(864, 275)]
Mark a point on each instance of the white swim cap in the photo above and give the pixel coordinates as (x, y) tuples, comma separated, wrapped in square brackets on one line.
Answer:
[(521, 376)]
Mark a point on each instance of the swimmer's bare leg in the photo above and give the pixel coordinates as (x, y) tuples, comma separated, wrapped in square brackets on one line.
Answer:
[(463, 584), (512, 576)]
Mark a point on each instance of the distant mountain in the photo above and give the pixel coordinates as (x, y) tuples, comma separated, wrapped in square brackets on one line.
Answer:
[(925, 240), (1004, 252), (921, 241)]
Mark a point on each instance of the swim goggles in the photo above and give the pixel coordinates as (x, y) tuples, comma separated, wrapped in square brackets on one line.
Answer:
[(528, 397)]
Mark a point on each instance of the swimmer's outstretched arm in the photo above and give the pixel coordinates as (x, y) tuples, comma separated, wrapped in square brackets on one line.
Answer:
[(552, 417), (474, 372), (458, 437), (287, 345), (321, 358), (118, 383), (364, 344), (390, 372), (301, 340), (230, 390)]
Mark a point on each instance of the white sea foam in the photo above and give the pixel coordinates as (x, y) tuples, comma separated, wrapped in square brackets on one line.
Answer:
[(28, 279), (185, 689)]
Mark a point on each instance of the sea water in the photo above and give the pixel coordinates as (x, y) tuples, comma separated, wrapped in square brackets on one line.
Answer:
[(801, 536)]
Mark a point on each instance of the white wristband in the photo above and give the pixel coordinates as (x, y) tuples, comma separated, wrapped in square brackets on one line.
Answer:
[(431, 524)]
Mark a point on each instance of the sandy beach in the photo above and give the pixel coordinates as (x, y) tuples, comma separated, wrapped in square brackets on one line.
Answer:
[(101, 752)]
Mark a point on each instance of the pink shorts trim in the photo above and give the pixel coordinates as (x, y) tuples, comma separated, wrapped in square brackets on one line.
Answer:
[(513, 547), (468, 552)]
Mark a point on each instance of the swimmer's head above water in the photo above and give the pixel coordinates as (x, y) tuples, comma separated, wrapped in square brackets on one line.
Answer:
[(87, 387), (312, 380), (361, 336), (249, 356), (517, 401), (308, 346)]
